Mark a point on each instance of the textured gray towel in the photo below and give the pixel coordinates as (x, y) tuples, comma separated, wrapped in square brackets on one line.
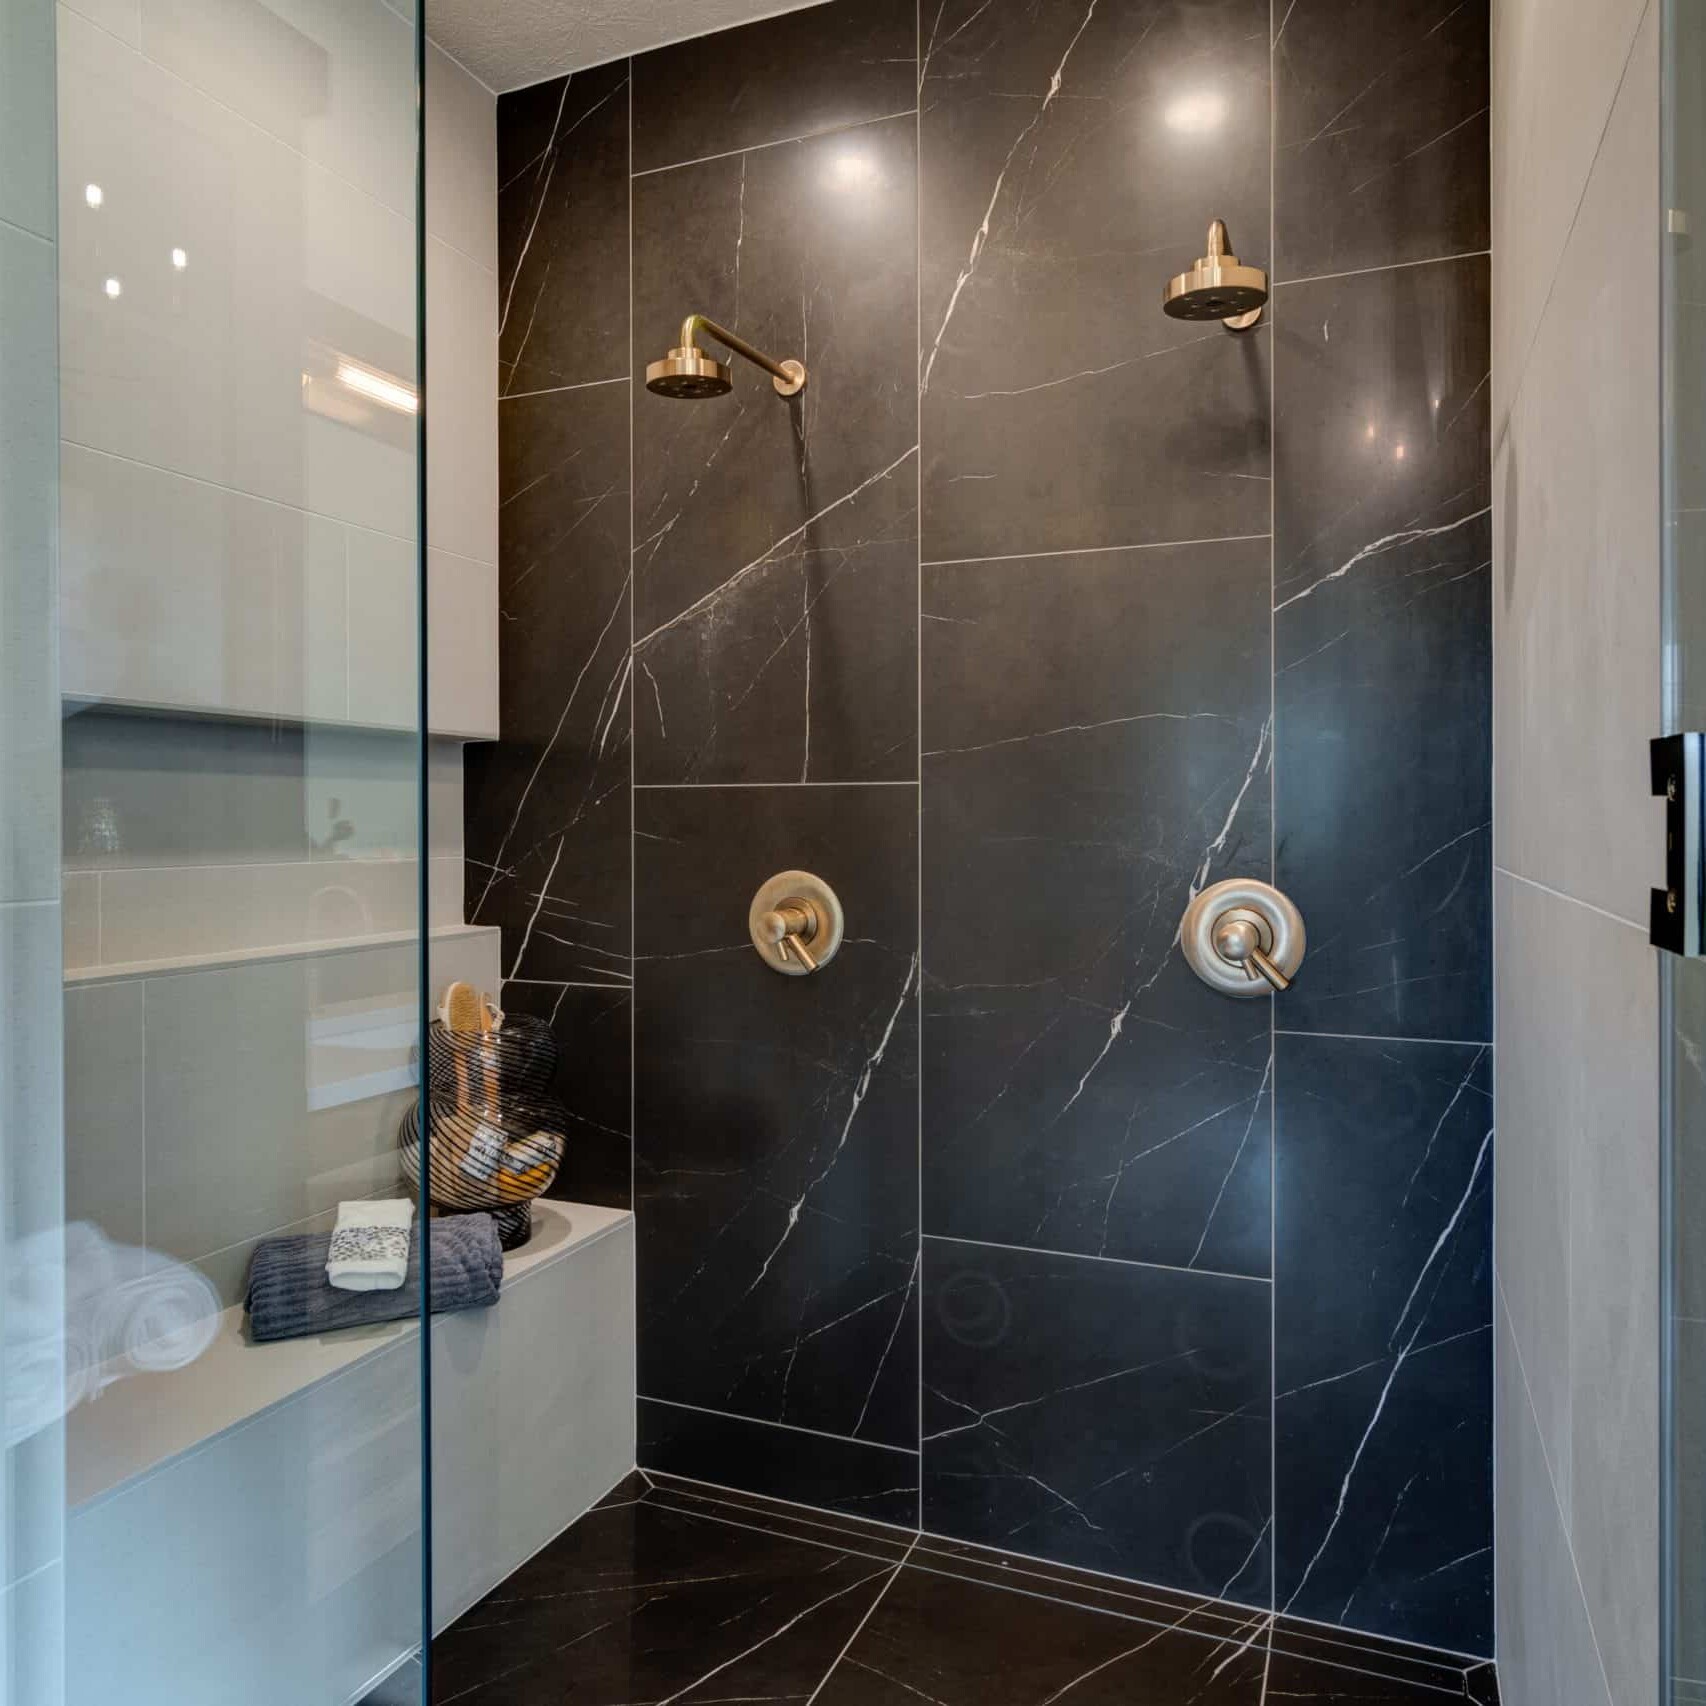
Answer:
[(290, 1297)]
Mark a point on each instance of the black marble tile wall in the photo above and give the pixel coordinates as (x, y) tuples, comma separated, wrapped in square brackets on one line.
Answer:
[(547, 807), (1094, 751), (1381, 133), (776, 544), (776, 1150), (1383, 1323), (1035, 613), (1104, 1414), (563, 231), (1073, 157), (1382, 647)]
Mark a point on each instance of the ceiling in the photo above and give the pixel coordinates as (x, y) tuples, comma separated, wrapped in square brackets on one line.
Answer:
[(508, 44)]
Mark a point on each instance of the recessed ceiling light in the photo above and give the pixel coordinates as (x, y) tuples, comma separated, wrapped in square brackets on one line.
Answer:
[(114, 288), (93, 194)]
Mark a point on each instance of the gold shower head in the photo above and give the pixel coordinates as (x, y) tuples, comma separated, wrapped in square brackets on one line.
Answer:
[(1219, 287), (688, 373)]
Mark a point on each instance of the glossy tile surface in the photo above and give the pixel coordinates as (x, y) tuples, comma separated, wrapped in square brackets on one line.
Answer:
[(1382, 649), (1380, 133), (775, 539), (679, 1590), (563, 232), (1071, 159), (1099, 1413), (776, 1119), (810, 70), (1093, 754), (1382, 1459), (845, 1475)]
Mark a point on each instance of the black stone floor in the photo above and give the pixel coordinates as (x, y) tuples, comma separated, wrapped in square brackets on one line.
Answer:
[(671, 1591)]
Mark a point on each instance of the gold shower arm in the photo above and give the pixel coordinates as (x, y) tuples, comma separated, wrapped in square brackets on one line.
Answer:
[(790, 376)]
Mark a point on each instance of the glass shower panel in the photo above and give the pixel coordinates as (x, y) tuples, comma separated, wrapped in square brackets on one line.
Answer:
[(1684, 980), (241, 811)]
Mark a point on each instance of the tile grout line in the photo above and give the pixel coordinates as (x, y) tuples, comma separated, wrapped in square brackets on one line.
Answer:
[(1390, 266), (633, 808), (929, 1559), (1098, 550), (760, 147), (1086, 1256), (918, 701), (765, 1422), (1273, 863), (859, 1627)]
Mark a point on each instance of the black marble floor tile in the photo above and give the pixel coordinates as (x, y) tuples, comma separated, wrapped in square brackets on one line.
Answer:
[(804, 71), (1382, 642), (546, 807), (1095, 750), (563, 231), (1381, 133), (833, 1474), (1099, 1413), (608, 1613), (776, 540), (1382, 1319), (777, 1119), (644, 1603), (1072, 157), (957, 1643)]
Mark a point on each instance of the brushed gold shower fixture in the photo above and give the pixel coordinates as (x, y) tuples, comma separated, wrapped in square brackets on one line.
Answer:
[(688, 372), (1219, 287), (796, 923)]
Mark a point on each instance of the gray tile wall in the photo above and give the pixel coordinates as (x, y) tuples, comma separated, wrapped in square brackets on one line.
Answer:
[(1033, 614), (1576, 494)]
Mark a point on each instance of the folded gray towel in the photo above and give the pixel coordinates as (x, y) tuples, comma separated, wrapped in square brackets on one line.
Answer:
[(289, 1296)]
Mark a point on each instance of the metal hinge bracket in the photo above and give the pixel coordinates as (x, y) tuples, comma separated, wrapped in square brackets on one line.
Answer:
[(1677, 922)]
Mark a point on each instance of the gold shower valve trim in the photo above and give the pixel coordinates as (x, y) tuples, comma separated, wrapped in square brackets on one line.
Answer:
[(796, 923), (687, 372)]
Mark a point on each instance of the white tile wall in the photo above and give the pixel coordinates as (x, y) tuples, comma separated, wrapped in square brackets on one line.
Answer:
[(237, 517)]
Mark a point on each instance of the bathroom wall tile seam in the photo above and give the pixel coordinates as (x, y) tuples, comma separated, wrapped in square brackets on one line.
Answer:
[(1391, 266), (1095, 550), (775, 142), (787, 1427), (1573, 899), (918, 51), (1091, 1256), (1532, 334), (1539, 1442)]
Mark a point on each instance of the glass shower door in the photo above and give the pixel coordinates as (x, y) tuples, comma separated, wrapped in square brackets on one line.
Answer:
[(1683, 986), (214, 780)]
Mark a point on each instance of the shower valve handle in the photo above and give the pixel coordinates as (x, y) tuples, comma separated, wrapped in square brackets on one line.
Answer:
[(790, 927), (1238, 941)]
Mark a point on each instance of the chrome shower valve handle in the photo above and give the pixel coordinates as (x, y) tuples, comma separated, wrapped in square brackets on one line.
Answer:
[(1243, 937)]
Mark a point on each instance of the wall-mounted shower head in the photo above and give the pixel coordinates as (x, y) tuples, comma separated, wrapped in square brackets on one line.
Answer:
[(1219, 287), (687, 371)]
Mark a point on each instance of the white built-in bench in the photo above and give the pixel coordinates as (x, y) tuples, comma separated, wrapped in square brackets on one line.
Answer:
[(249, 1526)]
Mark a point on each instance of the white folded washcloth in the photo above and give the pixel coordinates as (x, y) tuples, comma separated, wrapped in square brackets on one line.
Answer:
[(370, 1245)]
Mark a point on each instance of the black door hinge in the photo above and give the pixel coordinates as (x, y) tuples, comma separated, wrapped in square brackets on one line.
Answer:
[(1677, 921)]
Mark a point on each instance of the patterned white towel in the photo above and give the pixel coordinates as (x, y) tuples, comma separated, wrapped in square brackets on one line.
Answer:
[(370, 1245)]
